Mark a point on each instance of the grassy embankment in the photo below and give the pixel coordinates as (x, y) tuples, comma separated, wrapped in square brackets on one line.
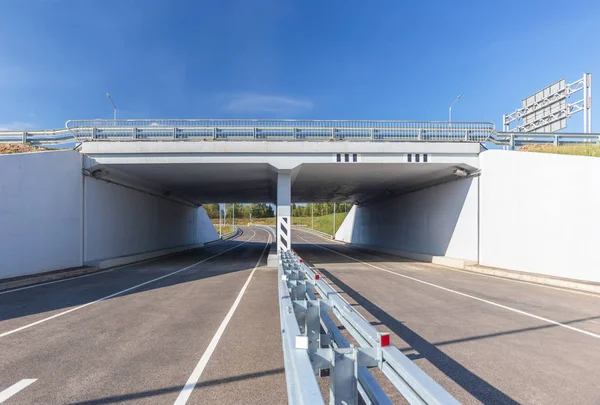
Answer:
[(323, 223), (579, 150)]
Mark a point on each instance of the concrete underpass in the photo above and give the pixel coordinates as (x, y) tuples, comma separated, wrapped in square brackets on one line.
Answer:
[(198, 321)]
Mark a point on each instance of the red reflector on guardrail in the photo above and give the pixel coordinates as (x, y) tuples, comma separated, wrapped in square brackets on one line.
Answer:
[(300, 260), (385, 339), (317, 276)]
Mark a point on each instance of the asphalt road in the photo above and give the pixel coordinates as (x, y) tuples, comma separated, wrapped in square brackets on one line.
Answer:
[(485, 339), (199, 327)]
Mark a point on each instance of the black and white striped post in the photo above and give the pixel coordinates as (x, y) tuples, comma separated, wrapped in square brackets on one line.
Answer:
[(284, 200)]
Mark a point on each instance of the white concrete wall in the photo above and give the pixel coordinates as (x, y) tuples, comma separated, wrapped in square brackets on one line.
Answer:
[(40, 212), (540, 213), (45, 226), (121, 221), (436, 221), (205, 231)]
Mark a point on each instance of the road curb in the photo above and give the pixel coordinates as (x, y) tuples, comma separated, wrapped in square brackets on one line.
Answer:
[(536, 279), (26, 281)]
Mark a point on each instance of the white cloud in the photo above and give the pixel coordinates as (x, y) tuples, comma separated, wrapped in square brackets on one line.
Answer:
[(16, 125), (261, 103)]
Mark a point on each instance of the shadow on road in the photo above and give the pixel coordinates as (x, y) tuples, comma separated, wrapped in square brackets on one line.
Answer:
[(469, 381), (175, 389), (79, 291)]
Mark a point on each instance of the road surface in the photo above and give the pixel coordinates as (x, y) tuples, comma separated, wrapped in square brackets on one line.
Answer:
[(146, 333), (485, 339)]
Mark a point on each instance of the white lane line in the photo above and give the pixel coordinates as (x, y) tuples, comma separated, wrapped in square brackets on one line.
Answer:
[(10, 332), (185, 393), (467, 272), (104, 271), (13, 389), (518, 311)]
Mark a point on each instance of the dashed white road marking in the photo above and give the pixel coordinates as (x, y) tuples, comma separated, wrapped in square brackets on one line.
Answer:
[(15, 388), (10, 332), (185, 393), (518, 311)]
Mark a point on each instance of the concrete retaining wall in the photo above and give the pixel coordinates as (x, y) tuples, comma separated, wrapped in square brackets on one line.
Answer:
[(439, 221), (52, 218), (40, 212), (540, 213), (121, 221)]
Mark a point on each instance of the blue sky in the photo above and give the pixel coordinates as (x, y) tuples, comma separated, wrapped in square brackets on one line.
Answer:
[(286, 59)]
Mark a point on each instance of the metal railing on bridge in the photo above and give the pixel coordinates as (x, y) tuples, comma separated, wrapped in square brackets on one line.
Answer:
[(312, 343), (77, 131), (280, 130)]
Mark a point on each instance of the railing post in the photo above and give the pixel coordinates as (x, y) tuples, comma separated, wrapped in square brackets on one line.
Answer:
[(372, 133), (420, 134), (94, 133), (174, 132), (214, 131), (134, 133), (512, 142), (254, 132), (342, 381), (294, 133), (467, 132), (556, 141), (333, 134), (24, 137)]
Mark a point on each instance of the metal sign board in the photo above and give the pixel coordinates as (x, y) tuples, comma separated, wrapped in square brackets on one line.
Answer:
[(548, 109), (545, 93), (553, 127)]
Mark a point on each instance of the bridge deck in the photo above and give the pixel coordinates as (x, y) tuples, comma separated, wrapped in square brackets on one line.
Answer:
[(482, 338), (141, 346)]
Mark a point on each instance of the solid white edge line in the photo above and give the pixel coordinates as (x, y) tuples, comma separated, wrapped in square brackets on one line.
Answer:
[(468, 272), (27, 287), (10, 332), (189, 386), (518, 311), (15, 388)]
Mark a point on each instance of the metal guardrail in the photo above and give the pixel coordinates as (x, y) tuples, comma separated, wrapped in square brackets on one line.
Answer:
[(305, 227), (287, 130), (280, 130), (312, 342), (231, 234)]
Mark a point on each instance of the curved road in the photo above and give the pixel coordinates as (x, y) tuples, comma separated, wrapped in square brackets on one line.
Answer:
[(146, 333)]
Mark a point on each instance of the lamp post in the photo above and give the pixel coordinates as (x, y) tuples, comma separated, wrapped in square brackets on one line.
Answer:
[(114, 107), (450, 109)]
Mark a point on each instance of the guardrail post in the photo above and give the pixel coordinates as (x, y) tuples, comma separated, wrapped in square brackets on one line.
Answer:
[(313, 325), (94, 133), (512, 142), (134, 133), (467, 132), (294, 133), (24, 137), (254, 132), (174, 132), (342, 383), (333, 134), (556, 141), (214, 131), (420, 135)]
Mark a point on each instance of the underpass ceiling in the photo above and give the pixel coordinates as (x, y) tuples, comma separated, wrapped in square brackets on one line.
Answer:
[(250, 182)]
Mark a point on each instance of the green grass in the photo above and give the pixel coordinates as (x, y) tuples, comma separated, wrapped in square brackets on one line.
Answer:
[(578, 150), (322, 224), (225, 228)]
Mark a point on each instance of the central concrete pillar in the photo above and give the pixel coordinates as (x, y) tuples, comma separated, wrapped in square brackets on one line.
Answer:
[(284, 200)]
